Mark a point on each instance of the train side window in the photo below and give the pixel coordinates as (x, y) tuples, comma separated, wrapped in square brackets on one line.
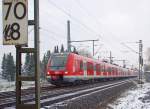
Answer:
[(85, 66), (97, 67), (112, 70), (81, 65), (103, 68), (106, 69), (89, 66), (100, 68), (94, 67), (109, 69), (116, 70)]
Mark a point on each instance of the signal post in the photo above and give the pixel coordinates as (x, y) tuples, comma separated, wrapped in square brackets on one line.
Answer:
[(140, 60), (15, 32)]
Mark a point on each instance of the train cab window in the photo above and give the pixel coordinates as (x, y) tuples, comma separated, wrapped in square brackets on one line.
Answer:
[(58, 62)]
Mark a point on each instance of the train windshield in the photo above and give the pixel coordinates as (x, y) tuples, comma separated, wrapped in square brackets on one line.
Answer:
[(58, 61)]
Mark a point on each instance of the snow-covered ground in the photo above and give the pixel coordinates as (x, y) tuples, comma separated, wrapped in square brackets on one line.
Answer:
[(10, 86), (138, 98)]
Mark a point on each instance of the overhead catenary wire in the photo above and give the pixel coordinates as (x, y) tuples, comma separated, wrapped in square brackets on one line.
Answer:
[(129, 48), (72, 17), (93, 16), (97, 21), (89, 14), (52, 32)]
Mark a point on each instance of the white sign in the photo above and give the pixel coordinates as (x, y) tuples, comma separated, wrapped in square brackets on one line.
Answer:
[(15, 22)]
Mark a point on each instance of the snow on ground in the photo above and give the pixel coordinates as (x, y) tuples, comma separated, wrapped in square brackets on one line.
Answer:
[(138, 98), (10, 86)]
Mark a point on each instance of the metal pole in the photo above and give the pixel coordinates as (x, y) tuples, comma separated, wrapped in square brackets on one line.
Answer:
[(93, 47), (68, 37), (110, 58), (140, 60), (18, 73), (37, 53), (86, 41), (124, 63)]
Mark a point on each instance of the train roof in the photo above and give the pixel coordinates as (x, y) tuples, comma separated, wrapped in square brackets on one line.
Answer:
[(90, 59)]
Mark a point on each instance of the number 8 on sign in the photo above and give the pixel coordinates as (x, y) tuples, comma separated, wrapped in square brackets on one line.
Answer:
[(15, 22)]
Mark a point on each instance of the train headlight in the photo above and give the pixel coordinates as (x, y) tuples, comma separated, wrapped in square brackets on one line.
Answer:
[(66, 72), (48, 73)]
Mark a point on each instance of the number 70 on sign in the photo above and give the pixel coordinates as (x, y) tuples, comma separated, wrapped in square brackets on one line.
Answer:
[(15, 22)]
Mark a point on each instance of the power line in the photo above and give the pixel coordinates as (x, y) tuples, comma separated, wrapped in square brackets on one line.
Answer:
[(72, 17), (97, 21), (93, 16), (129, 48), (52, 32), (88, 13), (77, 20)]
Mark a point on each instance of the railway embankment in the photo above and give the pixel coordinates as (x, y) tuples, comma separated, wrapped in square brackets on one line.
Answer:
[(137, 98), (86, 96), (95, 100)]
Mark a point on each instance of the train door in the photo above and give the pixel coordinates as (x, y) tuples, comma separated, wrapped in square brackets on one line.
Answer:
[(104, 70), (113, 74), (94, 70), (90, 69), (98, 70), (109, 71), (85, 68), (81, 68)]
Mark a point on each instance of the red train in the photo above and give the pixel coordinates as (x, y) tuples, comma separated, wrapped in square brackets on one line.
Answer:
[(63, 68)]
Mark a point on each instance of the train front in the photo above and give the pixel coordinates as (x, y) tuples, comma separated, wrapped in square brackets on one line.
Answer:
[(56, 68)]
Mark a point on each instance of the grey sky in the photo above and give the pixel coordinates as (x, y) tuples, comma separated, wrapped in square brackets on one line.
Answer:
[(110, 21)]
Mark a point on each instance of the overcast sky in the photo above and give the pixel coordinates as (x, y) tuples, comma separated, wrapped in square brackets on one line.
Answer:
[(110, 21)]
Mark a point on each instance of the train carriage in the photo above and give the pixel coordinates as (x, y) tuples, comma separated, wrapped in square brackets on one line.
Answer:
[(63, 68)]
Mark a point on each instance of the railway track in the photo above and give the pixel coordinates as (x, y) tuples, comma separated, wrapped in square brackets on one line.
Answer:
[(56, 95), (9, 94), (61, 99), (8, 98)]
